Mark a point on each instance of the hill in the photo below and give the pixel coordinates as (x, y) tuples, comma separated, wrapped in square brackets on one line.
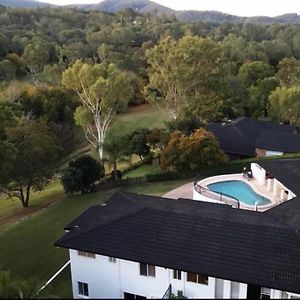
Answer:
[(187, 15), (206, 16), (24, 3), (142, 6)]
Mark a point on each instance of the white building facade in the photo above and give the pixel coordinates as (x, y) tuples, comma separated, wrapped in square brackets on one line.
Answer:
[(97, 276)]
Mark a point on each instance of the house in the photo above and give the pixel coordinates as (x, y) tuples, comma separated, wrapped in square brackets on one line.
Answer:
[(248, 137), (136, 247)]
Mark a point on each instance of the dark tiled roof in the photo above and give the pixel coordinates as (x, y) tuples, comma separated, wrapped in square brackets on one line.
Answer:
[(287, 213), (287, 171), (211, 239), (241, 136), (278, 141)]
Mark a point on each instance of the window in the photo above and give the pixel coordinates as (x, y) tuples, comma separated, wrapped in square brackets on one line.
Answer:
[(265, 293), (197, 278), (177, 274), (83, 288), (112, 259), (133, 296), (147, 270), (86, 254)]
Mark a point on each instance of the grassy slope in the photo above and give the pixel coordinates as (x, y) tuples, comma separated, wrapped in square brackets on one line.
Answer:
[(143, 170), (146, 115), (9, 206), (27, 247), (139, 116)]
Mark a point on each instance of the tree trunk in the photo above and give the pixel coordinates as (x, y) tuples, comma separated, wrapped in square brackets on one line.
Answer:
[(23, 198), (115, 171), (27, 195)]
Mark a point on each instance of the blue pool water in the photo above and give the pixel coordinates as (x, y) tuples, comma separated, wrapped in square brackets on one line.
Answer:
[(239, 190)]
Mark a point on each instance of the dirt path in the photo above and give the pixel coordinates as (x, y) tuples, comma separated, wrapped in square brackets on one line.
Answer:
[(30, 211)]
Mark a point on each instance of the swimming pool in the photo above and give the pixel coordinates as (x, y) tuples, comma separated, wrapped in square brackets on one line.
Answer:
[(239, 190)]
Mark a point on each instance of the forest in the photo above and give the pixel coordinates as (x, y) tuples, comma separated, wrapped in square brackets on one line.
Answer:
[(67, 73)]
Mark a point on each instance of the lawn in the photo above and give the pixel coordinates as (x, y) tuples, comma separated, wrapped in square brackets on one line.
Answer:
[(9, 206), (146, 116), (27, 246), (143, 170)]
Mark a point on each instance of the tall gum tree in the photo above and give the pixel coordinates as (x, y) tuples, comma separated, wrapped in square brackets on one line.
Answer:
[(185, 69), (103, 90)]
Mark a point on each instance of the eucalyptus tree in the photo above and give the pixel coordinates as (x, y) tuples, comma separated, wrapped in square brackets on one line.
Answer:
[(103, 91), (184, 70)]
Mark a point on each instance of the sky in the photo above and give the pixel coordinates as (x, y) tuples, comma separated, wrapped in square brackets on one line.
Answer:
[(236, 7)]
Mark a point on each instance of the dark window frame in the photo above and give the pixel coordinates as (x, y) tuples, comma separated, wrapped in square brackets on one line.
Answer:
[(112, 259), (177, 274), (197, 278), (83, 288), (86, 254), (147, 270)]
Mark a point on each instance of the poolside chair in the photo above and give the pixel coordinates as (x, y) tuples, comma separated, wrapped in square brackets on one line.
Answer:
[(249, 174)]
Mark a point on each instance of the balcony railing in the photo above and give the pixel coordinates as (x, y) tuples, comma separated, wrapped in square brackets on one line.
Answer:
[(168, 292), (227, 199)]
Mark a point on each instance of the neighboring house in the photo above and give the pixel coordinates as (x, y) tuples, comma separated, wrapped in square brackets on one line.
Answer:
[(247, 137), (136, 246)]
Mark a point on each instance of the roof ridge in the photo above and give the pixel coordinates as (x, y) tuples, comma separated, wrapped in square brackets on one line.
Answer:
[(140, 208)]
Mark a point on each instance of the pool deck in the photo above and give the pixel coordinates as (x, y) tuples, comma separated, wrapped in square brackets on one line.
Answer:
[(254, 184), (184, 191)]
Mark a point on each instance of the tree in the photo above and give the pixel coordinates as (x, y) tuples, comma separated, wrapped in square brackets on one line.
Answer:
[(179, 295), (80, 175), (103, 91), (138, 142), (284, 105), (52, 74), (258, 96), (251, 72), (36, 56), (116, 148), (12, 287), (186, 124), (30, 156), (7, 70), (258, 80), (179, 70), (192, 153), (289, 72)]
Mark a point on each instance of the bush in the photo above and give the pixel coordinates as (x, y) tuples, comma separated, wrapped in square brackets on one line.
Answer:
[(81, 174), (192, 153)]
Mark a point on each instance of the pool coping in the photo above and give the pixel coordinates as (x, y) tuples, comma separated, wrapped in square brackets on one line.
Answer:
[(239, 176)]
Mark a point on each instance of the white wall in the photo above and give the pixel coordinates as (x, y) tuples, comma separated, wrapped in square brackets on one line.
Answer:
[(106, 279), (258, 173)]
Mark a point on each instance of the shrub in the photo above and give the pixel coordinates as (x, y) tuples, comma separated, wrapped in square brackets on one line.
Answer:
[(192, 153), (81, 174)]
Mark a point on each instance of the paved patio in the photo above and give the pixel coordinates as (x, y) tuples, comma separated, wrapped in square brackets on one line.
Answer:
[(184, 191)]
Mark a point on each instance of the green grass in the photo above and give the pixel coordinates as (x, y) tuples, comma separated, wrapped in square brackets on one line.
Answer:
[(146, 116), (143, 170), (27, 246), (9, 206)]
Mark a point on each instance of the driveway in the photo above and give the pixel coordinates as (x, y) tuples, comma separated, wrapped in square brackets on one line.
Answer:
[(184, 191)]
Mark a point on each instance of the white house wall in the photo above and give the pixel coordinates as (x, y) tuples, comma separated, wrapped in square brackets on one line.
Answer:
[(258, 173), (106, 279)]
